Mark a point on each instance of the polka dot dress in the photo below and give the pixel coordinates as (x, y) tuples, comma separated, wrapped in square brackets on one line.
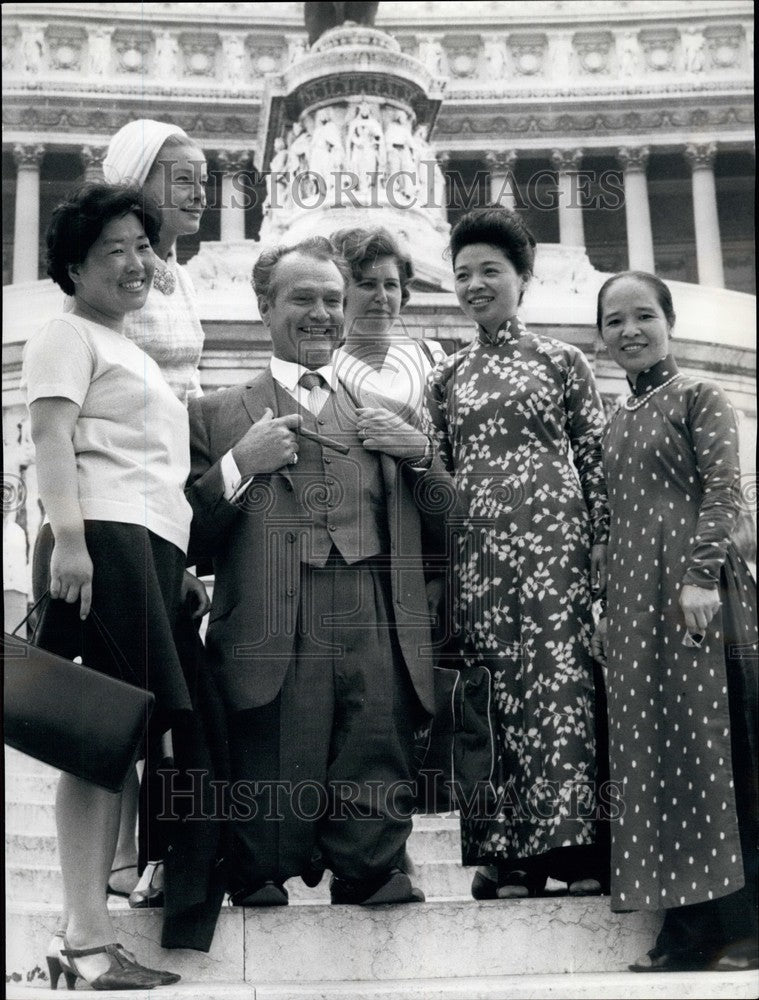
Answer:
[(672, 474)]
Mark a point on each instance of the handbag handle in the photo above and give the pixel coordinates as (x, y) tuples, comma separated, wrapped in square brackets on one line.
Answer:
[(29, 614), (110, 642)]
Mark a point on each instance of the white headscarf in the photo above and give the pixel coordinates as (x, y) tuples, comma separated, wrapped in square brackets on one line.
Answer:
[(133, 150)]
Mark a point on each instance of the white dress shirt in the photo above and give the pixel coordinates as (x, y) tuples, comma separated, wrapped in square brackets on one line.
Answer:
[(287, 374)]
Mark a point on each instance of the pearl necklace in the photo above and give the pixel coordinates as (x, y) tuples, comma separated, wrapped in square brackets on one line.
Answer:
[(637, 403)]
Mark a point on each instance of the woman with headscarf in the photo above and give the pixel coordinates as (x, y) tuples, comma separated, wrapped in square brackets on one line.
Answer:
[(171, 169)]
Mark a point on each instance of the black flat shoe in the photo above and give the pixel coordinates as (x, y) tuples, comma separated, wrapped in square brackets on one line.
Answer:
[(394, 887), (484, 887), (662, 961), (741, 956), (585, 887), (519, 884), (314, 872), (265, 894)]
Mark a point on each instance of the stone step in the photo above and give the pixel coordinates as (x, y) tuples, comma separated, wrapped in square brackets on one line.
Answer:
[(37, 816), (312, 942), (15, 761), (426, 844), (30, 849), (580, 986), (25, 786), (29, 882)]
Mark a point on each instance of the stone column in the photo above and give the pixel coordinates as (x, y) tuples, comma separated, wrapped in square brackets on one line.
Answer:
[(502, 183), (233, 195), (565, 162), (700, 156), (640, 241), (26, 229), (92, 158)]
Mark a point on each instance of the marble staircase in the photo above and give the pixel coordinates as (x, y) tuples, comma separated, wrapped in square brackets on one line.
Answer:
[(450, 947)]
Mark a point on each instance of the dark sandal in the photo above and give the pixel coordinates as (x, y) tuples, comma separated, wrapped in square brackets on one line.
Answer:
[(110, 891), (149, 897), (122, 974)]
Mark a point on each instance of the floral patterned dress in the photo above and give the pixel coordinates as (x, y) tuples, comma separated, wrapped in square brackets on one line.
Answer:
[(519, 422), (676, 712)]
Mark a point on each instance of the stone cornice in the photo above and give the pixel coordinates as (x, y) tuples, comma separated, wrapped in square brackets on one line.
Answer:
[(65, 125), (474, 131), (398, 15), (660, 124)]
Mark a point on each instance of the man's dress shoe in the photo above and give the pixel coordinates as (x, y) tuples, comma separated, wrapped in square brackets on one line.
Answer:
[(393, 887), (265, 894)]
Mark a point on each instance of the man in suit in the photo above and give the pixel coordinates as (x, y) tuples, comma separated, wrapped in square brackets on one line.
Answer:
[(319, 632)]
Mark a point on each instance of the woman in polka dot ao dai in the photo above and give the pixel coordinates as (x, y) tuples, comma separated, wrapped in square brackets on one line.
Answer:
[(681, 648)]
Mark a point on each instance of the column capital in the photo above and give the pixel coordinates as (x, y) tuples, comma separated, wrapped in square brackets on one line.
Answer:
[(701, 156), (502, 161), (28, 156), (633, 157), (93, 156), (566, 159), (233, 161)]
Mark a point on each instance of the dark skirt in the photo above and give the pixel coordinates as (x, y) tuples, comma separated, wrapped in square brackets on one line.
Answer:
[(136, 593), (136, 586)]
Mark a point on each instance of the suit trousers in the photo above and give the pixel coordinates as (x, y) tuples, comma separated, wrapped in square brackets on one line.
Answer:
[(329, 764)]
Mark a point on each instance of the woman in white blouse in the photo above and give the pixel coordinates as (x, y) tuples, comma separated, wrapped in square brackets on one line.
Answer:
[(379, 363), (163, 162)]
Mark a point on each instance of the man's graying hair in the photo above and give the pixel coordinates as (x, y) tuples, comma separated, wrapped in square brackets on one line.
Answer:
[(318, 247)]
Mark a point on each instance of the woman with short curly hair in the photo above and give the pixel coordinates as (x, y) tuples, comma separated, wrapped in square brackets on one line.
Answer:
[(112, 447)]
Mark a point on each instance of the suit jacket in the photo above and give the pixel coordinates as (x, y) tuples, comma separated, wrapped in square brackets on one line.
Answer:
[(256, 557)]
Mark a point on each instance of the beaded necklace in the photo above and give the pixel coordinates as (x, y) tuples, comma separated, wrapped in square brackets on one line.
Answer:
[(637, 403), (164, 279)]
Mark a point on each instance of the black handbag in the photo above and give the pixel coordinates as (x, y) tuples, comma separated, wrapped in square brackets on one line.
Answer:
[(70, 716), (459, 756)]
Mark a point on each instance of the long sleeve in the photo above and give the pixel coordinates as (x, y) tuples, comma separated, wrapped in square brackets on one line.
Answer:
[(585, 426), (714, 437), (212, 513), (435, 412)]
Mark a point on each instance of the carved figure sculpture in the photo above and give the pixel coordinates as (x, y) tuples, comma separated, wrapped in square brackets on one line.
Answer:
[(297, 160), (693, 51), (628, 54), (431, 54), (278, 181), (326, 154), (366, 147), (401, 163)]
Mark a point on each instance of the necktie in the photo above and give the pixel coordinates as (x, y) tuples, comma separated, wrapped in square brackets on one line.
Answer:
[(312, 380)]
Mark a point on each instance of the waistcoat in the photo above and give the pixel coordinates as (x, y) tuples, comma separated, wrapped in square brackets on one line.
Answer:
[(341, 497)]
